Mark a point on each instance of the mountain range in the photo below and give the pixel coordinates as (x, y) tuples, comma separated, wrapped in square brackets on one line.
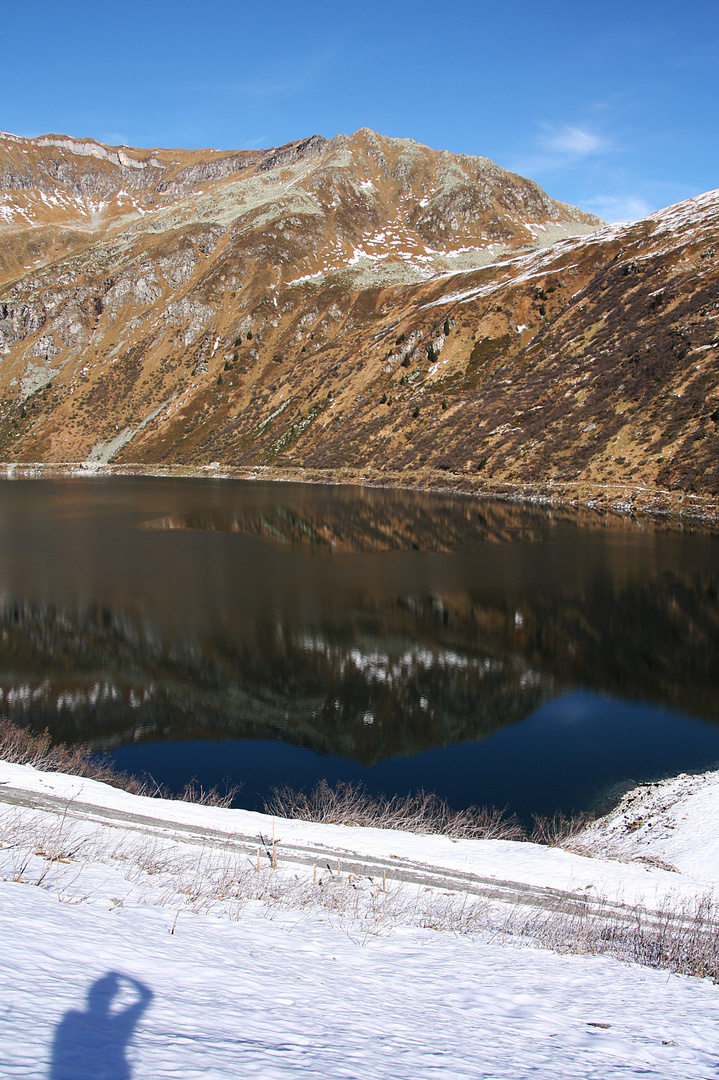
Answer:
[(360, 308)]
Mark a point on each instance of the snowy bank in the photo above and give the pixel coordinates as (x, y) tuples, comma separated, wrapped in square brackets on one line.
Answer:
[(522, 866), (674, 823)]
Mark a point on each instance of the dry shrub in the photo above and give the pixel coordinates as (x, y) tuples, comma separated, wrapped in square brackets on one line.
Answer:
[(681, 936), (20, 746), (195, 793), (423, 812), (559, 830)]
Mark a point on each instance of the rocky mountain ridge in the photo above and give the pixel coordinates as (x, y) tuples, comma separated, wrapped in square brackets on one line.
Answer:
[(354, 307), (354, 184)]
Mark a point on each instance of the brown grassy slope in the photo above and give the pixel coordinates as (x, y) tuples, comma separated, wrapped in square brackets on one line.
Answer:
[(614, 381), (590, 363)]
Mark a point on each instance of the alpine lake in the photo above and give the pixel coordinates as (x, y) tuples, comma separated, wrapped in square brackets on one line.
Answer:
[(270, 634)]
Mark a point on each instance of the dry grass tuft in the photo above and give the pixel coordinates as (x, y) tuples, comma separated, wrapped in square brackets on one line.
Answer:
[(423, 812), (559, 830), (681, 936), (20, 746), (195, 793)]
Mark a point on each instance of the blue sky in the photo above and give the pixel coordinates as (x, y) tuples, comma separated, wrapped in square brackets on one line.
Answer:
[(612, 106)]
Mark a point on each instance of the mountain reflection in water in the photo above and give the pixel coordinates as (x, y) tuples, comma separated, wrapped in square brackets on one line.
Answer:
[(139, 611), (388, 521)]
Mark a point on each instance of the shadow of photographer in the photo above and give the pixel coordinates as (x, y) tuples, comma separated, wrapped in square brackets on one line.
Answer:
[(92, 1044)]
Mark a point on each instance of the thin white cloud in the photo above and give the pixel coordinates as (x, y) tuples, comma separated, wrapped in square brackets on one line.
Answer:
[(614, 208), (114, 138), (574, 141), (561, 147), (260, 142)]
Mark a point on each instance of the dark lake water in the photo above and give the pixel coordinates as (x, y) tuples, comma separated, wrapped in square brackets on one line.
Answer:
[(275, 634)]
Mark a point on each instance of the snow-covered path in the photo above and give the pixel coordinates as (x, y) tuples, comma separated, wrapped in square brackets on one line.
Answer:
[(518, 873)]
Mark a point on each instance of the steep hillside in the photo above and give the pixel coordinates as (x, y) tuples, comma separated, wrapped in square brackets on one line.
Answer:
[(355, 307)]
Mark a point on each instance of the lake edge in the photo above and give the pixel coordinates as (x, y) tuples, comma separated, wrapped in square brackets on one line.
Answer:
[(620, 501)]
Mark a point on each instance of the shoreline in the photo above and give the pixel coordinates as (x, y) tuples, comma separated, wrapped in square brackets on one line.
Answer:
[(621, 500)]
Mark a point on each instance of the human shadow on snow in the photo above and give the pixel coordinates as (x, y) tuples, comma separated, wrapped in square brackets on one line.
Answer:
[(92, 1045)]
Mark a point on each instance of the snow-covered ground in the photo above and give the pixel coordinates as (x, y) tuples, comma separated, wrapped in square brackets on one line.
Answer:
[(674, 823), (138, 935)]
